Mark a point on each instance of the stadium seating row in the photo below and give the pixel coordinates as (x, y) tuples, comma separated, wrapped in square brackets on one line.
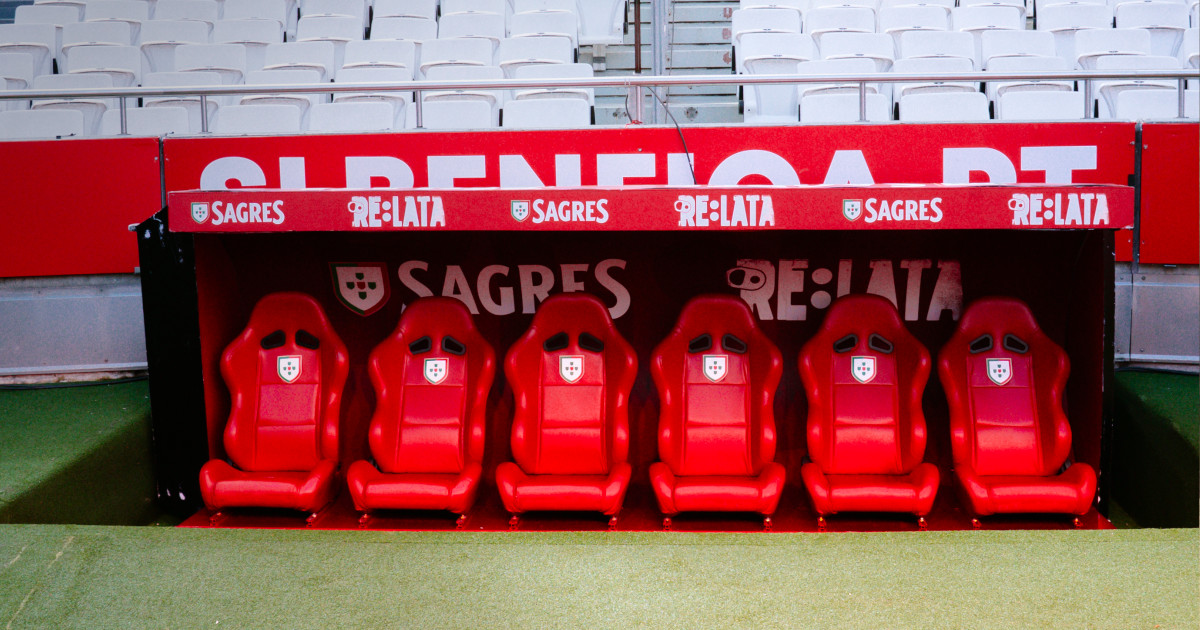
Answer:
[(716, 374)]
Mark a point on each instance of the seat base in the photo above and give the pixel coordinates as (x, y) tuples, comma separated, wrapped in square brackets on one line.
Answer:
[(1071, 492), (374, 490), (223, 486), (712, 493), (525, 493), (912, 493)]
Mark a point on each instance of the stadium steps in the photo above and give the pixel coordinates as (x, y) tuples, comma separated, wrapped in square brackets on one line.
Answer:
[(699, 44)]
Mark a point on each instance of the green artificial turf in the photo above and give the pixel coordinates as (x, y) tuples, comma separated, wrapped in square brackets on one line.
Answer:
[(78, 454), (124, 577), (1156, 448)]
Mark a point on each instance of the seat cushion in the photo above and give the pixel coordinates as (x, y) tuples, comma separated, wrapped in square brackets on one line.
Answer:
[(523, 493), (1071, 492), (374, 490), (223, 486), (718, 493), (913, 493)]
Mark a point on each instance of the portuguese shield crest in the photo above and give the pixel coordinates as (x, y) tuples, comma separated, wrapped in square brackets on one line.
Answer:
[(999, 371), (715, 366), (361, 287), (435, 370), (852, 209), (288, 368), (570, 368), (199, 211), (862, 369), (520, 210)]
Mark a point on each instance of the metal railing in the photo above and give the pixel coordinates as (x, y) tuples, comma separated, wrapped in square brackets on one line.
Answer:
[(633, 84)]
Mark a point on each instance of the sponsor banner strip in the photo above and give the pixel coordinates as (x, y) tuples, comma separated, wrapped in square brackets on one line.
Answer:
[(884, 207)]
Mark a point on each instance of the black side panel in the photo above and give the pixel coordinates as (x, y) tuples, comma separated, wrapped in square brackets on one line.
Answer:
[(170, 310)]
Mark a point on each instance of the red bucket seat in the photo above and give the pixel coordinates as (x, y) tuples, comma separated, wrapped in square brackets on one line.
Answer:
[(431, 378), (716, 375), (571, 374), (1004, 381), (864, 375), (285, 374)]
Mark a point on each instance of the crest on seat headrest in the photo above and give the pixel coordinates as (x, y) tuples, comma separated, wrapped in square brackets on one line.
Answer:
[(862, 369), (570, 368), (715, 366), (288, 368)]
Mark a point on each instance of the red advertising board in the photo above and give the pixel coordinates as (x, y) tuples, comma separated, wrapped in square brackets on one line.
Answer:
[(69, 203), (1170, 194), (887, 207)]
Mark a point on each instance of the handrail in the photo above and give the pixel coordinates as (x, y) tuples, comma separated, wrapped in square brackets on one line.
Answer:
[(627, 82)]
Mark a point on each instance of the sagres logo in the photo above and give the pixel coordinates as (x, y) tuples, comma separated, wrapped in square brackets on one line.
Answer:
[(520, 210), (715, 366), (288, 368), (199, 211), (436, 370), (852, 209), (999, 370), (361, 287), (862, 369), (571, 368)]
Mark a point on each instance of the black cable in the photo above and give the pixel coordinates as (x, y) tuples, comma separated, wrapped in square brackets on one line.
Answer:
[(36, 386), (678, 129)]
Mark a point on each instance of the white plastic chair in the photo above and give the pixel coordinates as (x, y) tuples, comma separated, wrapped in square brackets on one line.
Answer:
[(838, 19), (351, 117), (91, 108), (122, 63), (1106, 92), (1040, 105), (489, 26), (1166, 22), (515, 52), (822, 67), (140, 121), (78, 5), (1092, 44), (161, 37), (878, 47), (227, 60), (545, 113), (558, 24), (459, 51), (944, 107), (425, 9), (302, 102), (843, 108), (254, 34), (745, 21), (556, 71), (866, 4), (257, 120), (346, 8), (381, 53), (774, 53), (916, 44), (977, 20), (895, 20), (54, 16), (1002, 43), (94, 34), (132, 12), (318, 56), (932, 66), (1019, 5), (601, 22), (335, 29), (799, 6), (533, 6), (495, 98), (190, 104), (274, 10), (1156, 105), (458, 115), (206, 11), (500, 7), (397, 101), (403, 28), (16, 70), (1065, 20), (996, 89), (39, 41), (40, 123)]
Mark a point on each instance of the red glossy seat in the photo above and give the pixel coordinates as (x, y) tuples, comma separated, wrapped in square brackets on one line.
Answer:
[(431, 377), (864, 375), (285, 374), (1004, 381), (571, 374), (716, 375)]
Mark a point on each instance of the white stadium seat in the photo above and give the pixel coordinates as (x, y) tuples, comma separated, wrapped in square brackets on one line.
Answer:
[(122, 63), (94, 34), (980, 19), (462, 51), (866, 4), (500, 7), (746, 21), (16, 70), (139, 121), (546, 113), (1093, 44), (458, 115), (932, 66), (1040, 105), (426, 9), (494, 98), (489, 26), (838, 19), (834, 67), (601, 21), (228, 60), (1065, 20), (915, 44), (302, 102), (40, 123), (556, 71), (397, 101), (254, 34), (351, 117), (900, 19), (1156, 105), (132, 12), (1166, 22), (532, 6), (878, 47), (799, 6), (335, 29), (40, 41), (546, 24), (91, 108), (190, 104), (843, 108), (78, 5), (1106, 91), (318, 56), (382, 53), (257, 119), (403, 28), (340, 8), (1018, 5), (274, 10), (515, 52), (995, 89), (159, 38), (206, 11), (1003, 43), (947, 107), (775, 53)]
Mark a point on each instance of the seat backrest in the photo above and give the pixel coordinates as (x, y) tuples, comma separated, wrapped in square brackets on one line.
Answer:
[(864, 375), (257, 119), (275, 10), (151, 121), (571, 374), (458, 115), (944, 107), (351, 116), (843, 108), (285, 373), (40, 123), (431, 377), (547, 113), (426, 9), (1041, 105), (403, 28), (1004, 381), (716, 375), (39, 40)]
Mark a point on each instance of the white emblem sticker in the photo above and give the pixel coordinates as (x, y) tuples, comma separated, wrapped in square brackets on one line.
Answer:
[(435, 370), (999, 370), (520, 210), (862, 368), (288, 368), (571, 368), (199, 211), (852, 209), (715, 366)]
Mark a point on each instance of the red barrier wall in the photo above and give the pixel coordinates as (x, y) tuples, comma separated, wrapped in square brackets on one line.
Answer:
[(68, 204), (1170, 194)]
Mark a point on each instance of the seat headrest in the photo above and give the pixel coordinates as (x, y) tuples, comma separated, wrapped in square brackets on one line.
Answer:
[(437, 315), (289, 312), (999, 316), (572, 314), (725, 317), (863, 315)]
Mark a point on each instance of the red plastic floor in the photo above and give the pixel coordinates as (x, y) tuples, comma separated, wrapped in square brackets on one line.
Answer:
[(641, 515)]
